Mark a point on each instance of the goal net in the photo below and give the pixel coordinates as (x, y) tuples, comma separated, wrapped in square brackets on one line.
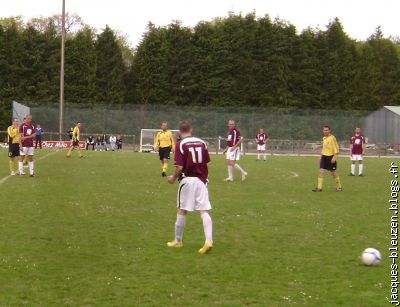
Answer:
[(147, 137), (19, 111)]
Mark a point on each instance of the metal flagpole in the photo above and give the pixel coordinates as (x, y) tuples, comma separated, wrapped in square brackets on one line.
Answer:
[(61, 107)]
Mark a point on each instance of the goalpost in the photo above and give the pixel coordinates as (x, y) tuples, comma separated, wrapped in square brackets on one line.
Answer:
[(147, 137), (222, 144)]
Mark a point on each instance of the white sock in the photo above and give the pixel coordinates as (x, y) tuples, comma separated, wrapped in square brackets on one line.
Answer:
[(258, 156), (360, 169), (230, 172), (207, 225), (353, 169), (240, 169), (21, 166), (179, 227), (30, 164)]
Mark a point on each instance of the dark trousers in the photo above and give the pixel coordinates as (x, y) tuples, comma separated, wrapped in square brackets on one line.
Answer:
[(88, 144), (38, 140)]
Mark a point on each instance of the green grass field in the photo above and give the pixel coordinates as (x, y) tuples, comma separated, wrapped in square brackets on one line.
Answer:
[(92, 232)]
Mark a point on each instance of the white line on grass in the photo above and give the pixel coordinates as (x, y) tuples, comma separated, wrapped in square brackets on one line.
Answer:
[(294, 174), (4, 179)]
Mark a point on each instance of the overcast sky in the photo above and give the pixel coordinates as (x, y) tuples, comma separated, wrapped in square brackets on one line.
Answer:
[(359, 17)]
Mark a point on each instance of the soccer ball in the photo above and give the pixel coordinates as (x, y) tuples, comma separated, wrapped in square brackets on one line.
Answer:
[(371, 257)]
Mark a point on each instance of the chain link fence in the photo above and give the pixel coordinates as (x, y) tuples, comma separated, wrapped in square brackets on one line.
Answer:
[(291, 131)]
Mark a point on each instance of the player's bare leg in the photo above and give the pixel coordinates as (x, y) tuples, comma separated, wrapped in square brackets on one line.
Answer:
[(230, 164), (258, 154), (337, 181), (179, 228), (360, 168), (353, 168), (31, 166), (21, 165), (208, 233), (240, 169), (164, 166), (11, 164), (70, 151), (320, 180)]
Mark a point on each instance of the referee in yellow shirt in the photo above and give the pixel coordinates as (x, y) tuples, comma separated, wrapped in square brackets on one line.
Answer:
[(164, 143), (330, 150), (76, 137), (13, 144)]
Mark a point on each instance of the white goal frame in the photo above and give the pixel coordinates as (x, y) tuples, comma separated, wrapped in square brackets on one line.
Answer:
[(145, 146)]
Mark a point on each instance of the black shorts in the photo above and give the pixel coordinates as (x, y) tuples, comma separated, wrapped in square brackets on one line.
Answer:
[(326, 163), (75, 143), (13, 150), (164, 152)]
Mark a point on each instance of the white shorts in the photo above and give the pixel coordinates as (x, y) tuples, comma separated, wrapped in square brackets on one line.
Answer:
[(262, 147), (193, 195), (27, 151), (233, 155), (356, 157)]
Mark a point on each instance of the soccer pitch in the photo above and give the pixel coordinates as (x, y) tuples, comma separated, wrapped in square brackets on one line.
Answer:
[(93, 232)]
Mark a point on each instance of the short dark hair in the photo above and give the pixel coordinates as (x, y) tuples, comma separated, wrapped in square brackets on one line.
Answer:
[(326, 126), (184, 126)]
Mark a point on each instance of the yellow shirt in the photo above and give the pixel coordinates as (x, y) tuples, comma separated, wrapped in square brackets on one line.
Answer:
[(330, 146), (13, 135), (76, 134), (164, 139)]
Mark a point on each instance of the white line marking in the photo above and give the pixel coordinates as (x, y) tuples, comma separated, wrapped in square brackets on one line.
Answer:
[(4, 179), (294, 174)]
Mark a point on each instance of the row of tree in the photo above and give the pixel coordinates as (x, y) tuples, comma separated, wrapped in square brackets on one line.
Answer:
[(236, 61)]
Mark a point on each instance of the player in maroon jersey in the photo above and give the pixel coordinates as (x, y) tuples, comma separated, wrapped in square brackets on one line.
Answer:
[(27, 133), (191, 159), (357, 142), (261, 139), (232, 151)]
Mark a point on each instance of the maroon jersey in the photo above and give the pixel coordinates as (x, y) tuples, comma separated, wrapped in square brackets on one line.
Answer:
[(191, 154), (261, 138), (27, 130), (357, 141), (233, 137)]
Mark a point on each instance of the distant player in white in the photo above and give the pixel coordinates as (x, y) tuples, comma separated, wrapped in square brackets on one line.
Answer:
[(27, 133), (262, 139), (191, 159), (357, 142), (113, 142), (232, 151)]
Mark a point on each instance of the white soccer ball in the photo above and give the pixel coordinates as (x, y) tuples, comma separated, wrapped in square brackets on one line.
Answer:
[(371, 257)]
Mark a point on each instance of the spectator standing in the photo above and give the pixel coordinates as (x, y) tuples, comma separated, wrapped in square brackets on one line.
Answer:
[(38, 137)]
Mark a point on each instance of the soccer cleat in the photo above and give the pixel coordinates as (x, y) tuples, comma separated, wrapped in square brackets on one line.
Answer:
[(339, 190), (32, 175), (317, 190), (21, 174), (207, 247), (351, 174), (228, 179), (175, 244), (164, 174), (244, 175)]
